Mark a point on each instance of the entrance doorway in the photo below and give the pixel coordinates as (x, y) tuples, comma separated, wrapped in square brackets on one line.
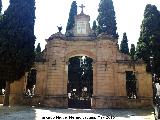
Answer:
[(80, 82)]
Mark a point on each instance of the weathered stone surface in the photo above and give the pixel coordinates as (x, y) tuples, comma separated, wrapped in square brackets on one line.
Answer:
[(109, 72), (1, 99), (109, 79)]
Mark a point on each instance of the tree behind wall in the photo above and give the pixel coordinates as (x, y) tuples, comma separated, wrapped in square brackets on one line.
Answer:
[(94, 28), (106, 18), (17, 41), (38, 48), (72, 13), (38, 54), (149, 40), (124, 44), (132, 52), (2, 81)]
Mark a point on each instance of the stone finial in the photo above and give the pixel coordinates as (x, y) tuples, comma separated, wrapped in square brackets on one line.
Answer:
[(59, 28)]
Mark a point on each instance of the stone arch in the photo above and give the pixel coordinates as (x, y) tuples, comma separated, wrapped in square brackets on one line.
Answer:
[(80, 53)]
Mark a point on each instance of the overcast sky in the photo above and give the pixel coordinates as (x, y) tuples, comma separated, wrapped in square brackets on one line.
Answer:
[(51, 13)]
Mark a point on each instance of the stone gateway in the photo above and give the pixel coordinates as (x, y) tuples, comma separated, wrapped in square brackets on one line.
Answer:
[(80, 69)]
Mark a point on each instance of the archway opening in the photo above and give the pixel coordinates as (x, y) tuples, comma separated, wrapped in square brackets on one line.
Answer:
[(31, 82), (80, 82)]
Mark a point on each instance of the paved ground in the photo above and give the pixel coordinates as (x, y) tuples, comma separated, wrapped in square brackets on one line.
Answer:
[(32, 113)]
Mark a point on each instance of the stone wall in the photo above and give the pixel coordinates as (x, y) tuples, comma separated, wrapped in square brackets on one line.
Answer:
[(120, 102), (109, 78), (113, 94), (17, 89), (1, 99), (41, 79)]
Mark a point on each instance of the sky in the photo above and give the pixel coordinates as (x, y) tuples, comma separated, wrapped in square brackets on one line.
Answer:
[(52, 13)]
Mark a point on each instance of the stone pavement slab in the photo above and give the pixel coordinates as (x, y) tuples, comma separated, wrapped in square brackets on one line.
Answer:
[(33, 113)]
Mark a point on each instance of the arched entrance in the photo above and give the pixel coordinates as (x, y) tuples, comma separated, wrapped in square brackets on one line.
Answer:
[(80, 82)]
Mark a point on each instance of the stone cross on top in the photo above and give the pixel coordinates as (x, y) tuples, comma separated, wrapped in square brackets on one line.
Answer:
[(82, 6)]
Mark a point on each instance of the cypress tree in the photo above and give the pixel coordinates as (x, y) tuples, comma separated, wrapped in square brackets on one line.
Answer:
[(73, 12), (124, 44), (94, 27), (0, 6), (149, 40), (106, 18), (38, 49), (17, 41), (2, 82), (132, 52), (31, 79), (38, 57)]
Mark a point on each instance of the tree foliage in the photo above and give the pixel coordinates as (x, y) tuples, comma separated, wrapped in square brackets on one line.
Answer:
[(0, 6), (73, 12), (80, 74), (17, 39), (38, 48), (94, 27), (106, 18), (149, 40), (124, 44), (31, 78), (2, 82), (132, 52), (38, 54)]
